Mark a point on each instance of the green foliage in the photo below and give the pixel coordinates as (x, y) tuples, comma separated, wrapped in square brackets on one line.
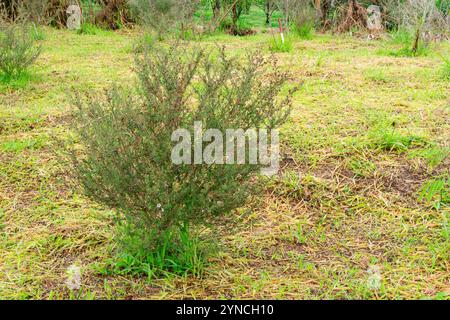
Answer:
[(402, 37), (17, 146), (436, 191), (394, 140), (18, 52), (443, 6), (144, 42), (277, 45), (124, 160), (409, 52)]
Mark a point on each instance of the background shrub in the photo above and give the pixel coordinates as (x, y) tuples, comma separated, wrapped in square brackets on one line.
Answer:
[(46, 12), (164, 16), (125, 158), (113, 14), (18, 51)]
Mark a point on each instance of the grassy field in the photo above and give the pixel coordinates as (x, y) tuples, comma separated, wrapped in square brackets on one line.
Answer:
[(344, 219)]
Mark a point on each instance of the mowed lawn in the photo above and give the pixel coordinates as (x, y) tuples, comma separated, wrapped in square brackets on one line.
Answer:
[(343, 219)]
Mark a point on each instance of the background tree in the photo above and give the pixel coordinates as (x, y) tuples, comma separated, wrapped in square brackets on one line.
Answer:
[(48, 12), (215, 6), (287, 7), (421, 18), (236, 8), (269, 7)]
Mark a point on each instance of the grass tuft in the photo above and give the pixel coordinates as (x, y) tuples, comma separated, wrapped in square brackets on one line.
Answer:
[(276, 44), (304, 31), (391, 139), (445, 70), (179, 254), (16, 81), (89, 29)]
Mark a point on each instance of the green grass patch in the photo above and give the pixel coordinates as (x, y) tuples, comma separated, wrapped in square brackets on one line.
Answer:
[(255, 18), (91, 29), (408, 52), (38, 33), (391, 139), (16, 146), (179, 254), (17, 81), (362, 167)]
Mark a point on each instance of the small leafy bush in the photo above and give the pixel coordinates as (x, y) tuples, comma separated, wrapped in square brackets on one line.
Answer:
[(18, 52), (124, 155)]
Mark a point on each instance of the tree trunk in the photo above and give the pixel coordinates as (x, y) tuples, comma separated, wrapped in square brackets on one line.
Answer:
[(416, 42), (216, 9), (235, 18)]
